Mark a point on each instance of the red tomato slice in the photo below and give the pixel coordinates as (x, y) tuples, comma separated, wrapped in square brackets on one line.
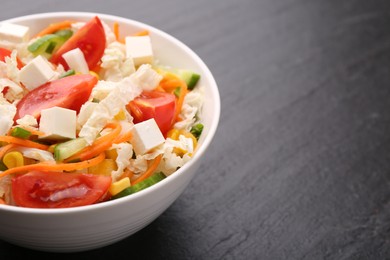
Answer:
[(58, 190), (70, 92), (154, 104), (91, 39)]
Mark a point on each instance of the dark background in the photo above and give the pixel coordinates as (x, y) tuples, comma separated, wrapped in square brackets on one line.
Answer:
[(300, 164)]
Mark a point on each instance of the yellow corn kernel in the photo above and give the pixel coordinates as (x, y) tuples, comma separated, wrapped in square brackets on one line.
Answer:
[(118, 186), (120, 116), (173, 134), (93, 73), (104, 168), (13, 159), (111, 154), (190, 135)]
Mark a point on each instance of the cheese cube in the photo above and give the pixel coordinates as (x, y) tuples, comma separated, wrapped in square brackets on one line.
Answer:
[(146, 136), (14, 33), (36, 72), (139, 48), (119, 186), (58, 123), (76, 60)]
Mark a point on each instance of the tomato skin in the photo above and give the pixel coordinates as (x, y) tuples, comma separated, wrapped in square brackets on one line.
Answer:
[(39, 189), (154, 104), (7, 53), (70, 92), (91, 39)]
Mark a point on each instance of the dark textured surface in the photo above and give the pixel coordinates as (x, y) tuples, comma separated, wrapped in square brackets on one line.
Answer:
[(300, 166)]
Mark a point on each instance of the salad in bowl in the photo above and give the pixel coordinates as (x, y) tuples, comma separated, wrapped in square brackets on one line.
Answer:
[(90, 114)]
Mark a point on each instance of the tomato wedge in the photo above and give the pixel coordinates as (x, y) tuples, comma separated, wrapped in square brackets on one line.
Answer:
[(58, 190), (154, 104), (7, 53), (70, 92), (91, 39)]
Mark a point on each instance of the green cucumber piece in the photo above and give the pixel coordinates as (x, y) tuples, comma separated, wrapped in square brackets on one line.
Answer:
[(64, 34), (66, 149), (20, 133), (197, 130), (67, 73), (153, 179), (189, 77), (49, 43)]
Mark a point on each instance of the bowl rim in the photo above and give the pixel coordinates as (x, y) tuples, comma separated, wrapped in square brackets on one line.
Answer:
[(216, 106)]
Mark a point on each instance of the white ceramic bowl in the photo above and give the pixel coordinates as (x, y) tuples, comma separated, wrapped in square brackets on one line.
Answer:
[(90, 227)]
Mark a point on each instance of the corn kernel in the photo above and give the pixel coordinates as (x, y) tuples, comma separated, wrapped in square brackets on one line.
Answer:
[(13, 159), (103, 168), (111, 154), (173, 134), (120, 116), (118, 186)]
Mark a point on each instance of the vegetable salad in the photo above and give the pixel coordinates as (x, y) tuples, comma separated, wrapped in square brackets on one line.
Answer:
[(88, 114)]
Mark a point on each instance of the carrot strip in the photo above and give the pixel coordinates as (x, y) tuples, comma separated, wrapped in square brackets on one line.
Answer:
[(52, 28), (160, 88), (45, 166), (142, 33), (116, 30), (6, 148), (127, 173), (170, 83), (100, 145), (149, 171), (180, 100), (123, 138), (2, 201), (23, 142)]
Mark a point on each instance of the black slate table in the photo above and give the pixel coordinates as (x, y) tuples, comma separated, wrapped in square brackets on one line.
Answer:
[(300, 165)]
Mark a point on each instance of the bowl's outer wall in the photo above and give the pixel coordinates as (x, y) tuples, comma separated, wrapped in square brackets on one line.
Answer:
[(74, 230)]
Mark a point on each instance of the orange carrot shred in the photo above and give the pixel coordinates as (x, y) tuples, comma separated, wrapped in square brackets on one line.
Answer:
[(52, 28), (47, 166), (101, 144), (123, 138), (142, 33), (149, 171), (23, 142), (5, 149), (116, 30)]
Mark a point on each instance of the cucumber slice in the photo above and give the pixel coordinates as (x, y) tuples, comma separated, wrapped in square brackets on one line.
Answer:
[(153, 179), (67, 73), (189, 77), (66, 149), (20, 132), (48, 44)]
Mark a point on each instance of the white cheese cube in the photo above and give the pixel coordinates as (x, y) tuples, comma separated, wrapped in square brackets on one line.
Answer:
[(76, 60), (36, 72), (139, 48), (58, 123), (146, 136), (14, 33)]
